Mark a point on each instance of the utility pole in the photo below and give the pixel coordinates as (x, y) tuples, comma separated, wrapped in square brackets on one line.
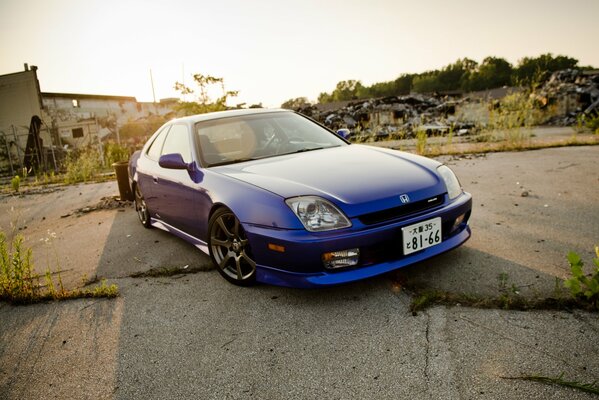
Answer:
[(152, 82), (153, 93)]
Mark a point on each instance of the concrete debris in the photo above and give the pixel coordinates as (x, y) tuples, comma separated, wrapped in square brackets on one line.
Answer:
[(567, 94), (389, 115), (106, 203), (573, 93)]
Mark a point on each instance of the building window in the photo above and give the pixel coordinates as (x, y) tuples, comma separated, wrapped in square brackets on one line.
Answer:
[(77, 133), (76, 103)]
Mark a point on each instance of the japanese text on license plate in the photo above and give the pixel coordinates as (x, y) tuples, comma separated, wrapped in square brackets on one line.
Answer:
[(421, 235)]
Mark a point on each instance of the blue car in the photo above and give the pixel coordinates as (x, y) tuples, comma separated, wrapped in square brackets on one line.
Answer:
[(274, 197)]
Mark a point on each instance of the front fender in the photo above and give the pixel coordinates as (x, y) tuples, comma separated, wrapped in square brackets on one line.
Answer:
[(251, 204)]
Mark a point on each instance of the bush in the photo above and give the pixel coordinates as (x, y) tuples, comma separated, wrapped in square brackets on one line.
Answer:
[(82, 166), (516, 110), (114, 152)]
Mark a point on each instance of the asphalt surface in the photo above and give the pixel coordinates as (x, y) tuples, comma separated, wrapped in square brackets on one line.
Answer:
[(196, 336)]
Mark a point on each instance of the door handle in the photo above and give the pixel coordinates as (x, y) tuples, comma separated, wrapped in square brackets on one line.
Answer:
[(155, 179)]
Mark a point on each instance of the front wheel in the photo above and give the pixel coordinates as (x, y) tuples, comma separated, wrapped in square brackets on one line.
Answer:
[(230, 249)]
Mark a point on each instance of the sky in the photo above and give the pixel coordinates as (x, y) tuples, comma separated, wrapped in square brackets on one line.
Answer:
[(274, 50)]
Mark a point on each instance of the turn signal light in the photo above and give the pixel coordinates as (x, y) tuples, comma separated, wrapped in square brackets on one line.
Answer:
[(276, 247)]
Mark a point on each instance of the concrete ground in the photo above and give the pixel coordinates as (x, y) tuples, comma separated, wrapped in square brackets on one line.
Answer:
[(196, 336)]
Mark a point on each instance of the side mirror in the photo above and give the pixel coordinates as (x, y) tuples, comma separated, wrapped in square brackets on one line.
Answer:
[(344, 133), (172, 161)]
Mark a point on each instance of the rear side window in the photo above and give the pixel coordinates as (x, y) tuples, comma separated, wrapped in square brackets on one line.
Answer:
[(177, 141), (156, 146)]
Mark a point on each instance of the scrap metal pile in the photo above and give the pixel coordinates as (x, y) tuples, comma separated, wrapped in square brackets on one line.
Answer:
[(384, 116), (575, 92)]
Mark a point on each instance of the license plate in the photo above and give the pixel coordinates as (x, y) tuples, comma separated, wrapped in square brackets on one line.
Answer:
[(421, 235)]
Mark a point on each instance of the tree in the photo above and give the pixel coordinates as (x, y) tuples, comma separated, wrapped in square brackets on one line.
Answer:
[(347, 90), (324, 97), (204, 104), (450, 78), (493, 72), (296, 103), (536, 69)]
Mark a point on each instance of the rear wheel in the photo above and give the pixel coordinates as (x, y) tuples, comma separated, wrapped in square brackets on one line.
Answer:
[(230, 249), (141, 208)]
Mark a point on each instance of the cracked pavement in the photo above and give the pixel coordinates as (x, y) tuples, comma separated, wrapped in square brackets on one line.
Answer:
[(196, 336)]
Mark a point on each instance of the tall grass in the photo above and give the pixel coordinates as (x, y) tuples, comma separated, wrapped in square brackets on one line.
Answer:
[(85, 165), (421, 140)]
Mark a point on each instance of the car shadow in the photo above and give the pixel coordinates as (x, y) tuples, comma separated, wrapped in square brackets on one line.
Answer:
[(132, 249)]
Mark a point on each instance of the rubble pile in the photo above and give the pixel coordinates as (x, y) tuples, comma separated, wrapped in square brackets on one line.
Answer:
[(384, 116), (575, 92), (105, 203)]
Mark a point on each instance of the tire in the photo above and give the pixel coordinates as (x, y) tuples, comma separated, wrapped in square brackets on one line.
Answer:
[(141, 208), (230, 249)]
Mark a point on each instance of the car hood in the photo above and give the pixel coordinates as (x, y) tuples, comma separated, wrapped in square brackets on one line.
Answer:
[(357, 178)]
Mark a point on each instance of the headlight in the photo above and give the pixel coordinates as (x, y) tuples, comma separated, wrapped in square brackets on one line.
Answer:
[(451, 182), (317, 214)]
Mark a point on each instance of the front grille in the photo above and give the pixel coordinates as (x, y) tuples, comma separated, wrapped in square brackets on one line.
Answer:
[(400, 211)]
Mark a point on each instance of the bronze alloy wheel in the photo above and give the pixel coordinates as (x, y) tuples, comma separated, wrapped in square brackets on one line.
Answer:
[(230, 249)]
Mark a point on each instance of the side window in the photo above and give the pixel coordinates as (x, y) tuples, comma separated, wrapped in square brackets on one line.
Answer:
[(177, 141), (156, 146)]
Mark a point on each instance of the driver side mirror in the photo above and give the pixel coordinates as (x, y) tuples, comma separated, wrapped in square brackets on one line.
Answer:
[(344, 133), (172, 161)]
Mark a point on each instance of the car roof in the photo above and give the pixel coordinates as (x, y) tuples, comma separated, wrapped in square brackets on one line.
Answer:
[(227, 114)]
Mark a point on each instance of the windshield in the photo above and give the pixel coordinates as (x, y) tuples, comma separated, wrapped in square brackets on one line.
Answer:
[(251, 137)]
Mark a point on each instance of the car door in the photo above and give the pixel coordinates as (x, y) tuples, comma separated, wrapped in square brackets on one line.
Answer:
[(174, 189), (146, 167)]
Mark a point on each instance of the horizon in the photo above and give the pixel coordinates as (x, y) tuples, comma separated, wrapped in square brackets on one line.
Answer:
[(109, 48)]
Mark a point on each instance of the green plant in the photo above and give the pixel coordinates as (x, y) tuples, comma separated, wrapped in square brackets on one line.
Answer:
[(113, 152), (580, 285), (16, 270), (82, 166), (15, 182), (589, 121), (19, 283), (502, 279), (421, 139)]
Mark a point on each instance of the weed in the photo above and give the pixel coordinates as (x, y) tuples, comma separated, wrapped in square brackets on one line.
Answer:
[(585, 387), (516, 110), (502, 279), (16, 271), (82, 166), (428, 298), (114, 152), (170, 271), (15, 182), (450, 138), (581, 286), (421, 139), (20, 284)]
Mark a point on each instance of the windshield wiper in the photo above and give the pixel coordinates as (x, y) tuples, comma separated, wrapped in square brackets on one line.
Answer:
[(238, 160), (305, 150)]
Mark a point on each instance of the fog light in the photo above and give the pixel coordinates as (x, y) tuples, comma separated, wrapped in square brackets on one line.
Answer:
[(340, 259), (458, 222)]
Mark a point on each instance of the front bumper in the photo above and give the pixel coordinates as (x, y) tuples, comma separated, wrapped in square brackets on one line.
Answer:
[(380, 248)]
